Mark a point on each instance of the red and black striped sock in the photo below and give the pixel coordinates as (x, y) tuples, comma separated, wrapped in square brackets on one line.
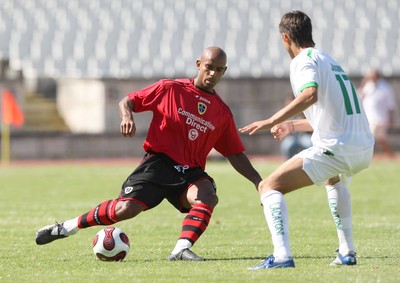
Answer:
[(103, 214), (195, 223)]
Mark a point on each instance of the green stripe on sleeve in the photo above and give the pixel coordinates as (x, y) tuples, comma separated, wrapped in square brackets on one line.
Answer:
[(307, 85)]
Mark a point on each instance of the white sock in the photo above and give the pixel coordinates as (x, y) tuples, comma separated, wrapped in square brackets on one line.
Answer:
[(71, 226), (340, 205), (180, 245), (276, 214)]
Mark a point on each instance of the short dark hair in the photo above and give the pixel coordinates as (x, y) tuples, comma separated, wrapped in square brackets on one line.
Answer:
[(298, 26)]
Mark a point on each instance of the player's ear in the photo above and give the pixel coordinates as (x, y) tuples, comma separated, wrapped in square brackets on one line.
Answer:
[(198, 63), (226, 68), (285, 37)]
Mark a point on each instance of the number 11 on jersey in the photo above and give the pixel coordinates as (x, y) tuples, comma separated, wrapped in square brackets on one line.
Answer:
[(343, 81)]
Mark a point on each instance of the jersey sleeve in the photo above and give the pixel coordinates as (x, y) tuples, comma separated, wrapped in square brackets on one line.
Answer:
[(230, 142), (147, 98), (306, 74)]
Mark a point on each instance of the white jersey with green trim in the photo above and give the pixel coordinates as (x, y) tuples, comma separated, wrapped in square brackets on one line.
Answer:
[(337, 118)]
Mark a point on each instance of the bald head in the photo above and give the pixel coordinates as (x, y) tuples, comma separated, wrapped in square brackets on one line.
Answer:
[(214, 53)]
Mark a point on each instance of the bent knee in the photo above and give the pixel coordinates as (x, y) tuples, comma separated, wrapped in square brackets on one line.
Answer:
[(126, 209), (264, 186), (269, 185), (209, 199), (214, 201), (333, 180)]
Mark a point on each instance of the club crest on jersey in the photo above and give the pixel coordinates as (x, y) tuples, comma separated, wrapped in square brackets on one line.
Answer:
[(201, 107)]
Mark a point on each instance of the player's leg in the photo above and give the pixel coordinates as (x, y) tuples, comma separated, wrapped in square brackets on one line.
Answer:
[(106, 213), (340, 207), (286, 178), (200, 200), (340, 202), (109, 212), (135, 197)]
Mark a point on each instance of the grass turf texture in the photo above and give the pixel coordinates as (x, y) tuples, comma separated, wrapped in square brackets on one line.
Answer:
[(237, 237)]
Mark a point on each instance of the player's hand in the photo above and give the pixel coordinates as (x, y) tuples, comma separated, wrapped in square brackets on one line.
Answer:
[(128, 127), (255, 127), (281, 130)]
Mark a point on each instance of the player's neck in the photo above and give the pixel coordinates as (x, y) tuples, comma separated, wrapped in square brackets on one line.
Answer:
[(210, 91), (293, 52)]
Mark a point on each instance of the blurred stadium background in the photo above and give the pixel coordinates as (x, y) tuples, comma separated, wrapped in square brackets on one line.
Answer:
[(68, 62)]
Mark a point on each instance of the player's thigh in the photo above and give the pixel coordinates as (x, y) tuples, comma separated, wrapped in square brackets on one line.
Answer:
[(288, 177), (147, 194), (321, 165), (200, 191), (203, 190)]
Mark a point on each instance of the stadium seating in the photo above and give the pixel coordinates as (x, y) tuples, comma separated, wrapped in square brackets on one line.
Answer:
[(153, 38)]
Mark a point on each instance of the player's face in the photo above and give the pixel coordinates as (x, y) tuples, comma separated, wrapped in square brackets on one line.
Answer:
[(210, 72)]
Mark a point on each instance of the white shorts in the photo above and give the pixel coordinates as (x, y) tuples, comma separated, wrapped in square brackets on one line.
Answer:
[(321, 165)]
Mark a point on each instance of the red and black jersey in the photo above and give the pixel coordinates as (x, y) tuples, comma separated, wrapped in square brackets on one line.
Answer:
[(187, 122)]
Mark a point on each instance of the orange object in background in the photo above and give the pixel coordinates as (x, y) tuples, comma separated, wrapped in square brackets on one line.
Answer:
[(11, 112)]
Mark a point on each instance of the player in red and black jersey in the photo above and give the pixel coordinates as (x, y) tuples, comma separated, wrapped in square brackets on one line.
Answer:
[(189, 120)]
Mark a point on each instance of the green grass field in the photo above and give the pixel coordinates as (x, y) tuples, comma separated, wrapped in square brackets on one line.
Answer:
[(237, 237)]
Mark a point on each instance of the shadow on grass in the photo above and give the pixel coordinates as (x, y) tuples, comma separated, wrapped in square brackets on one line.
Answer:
[(295, 257), (236, 258)]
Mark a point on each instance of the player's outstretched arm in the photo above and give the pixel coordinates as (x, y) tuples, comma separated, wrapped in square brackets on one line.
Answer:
[(304, 100), (263, 125)]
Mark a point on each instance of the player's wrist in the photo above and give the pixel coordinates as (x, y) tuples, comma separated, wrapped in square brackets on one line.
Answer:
[(291, 123), (127, 117)]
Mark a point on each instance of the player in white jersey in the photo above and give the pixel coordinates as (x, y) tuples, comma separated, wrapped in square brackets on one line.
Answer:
[(342, 144), (378, 99)]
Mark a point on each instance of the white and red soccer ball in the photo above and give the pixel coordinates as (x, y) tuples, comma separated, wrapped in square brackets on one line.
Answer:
[(111, 244)]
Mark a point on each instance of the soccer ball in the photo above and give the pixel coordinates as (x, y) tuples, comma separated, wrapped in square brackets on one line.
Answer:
[(111, 244)]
